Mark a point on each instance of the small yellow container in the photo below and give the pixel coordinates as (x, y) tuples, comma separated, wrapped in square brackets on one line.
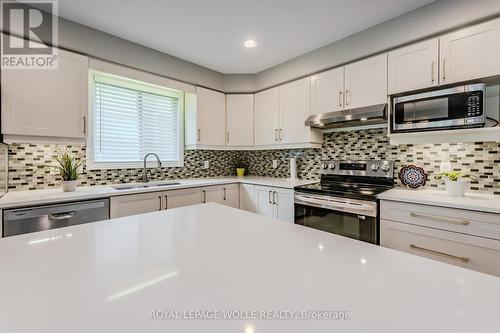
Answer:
[(240, 172)]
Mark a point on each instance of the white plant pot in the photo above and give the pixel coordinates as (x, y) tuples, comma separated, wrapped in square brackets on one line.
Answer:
[(69, 185), (456, 188)]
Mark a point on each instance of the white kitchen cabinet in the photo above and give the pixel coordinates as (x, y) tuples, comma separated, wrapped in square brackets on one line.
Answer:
[(274, 202), (267, 108), (223, 194), (247, 197), (240, 119), (413, 67), (132, 204), (366, 82), (476, 253), (46, 102), (327, 91), (470, 53), (205, 119), (181, 198), (295, 107)]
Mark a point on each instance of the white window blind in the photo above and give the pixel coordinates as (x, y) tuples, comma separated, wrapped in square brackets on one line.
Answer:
[(131, 120)]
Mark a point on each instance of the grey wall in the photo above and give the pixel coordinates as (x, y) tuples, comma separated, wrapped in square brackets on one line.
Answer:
[(95, 43), (429, 20)]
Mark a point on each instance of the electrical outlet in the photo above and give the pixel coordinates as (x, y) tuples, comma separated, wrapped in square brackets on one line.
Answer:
[(206, 164), (445, 167), (275, 164)]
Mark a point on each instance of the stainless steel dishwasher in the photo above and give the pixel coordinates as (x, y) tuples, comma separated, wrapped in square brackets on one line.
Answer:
[(31, 219)]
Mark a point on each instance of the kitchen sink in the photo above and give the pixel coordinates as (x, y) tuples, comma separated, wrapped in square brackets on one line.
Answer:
[(130, 187)]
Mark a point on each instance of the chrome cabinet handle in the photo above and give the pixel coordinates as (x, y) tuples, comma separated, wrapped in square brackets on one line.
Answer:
[(159, 197), (199, 134), (166, 202), (439, 218), (224, 194), (269, 197), (439, 253), (204, 196), (274, 197), (346, 97), (340, 98), (61, 216), (444, 69), (84, 125), (276, 134), (433, 65), (281, 134)]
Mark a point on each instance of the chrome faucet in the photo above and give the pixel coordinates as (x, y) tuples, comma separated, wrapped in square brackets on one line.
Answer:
[(145, 171)]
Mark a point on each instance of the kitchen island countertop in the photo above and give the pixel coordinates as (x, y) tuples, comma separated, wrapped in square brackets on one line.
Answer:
[(152, 272)]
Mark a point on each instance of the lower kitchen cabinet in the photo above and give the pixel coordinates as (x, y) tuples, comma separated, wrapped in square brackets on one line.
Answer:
[(459, 237), (181, 198), (132, 204), (247, 197), (275, 202), (224, 194)]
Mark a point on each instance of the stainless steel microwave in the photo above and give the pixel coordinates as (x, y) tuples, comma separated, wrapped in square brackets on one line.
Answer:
[(457, 107)]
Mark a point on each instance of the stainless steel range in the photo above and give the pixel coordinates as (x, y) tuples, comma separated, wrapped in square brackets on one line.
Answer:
[(345, 201)]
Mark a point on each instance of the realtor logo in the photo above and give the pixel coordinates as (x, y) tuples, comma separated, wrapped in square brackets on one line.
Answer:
[(29, 31)]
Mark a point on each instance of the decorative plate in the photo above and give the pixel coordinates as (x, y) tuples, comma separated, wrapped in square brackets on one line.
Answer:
[(412, 176)]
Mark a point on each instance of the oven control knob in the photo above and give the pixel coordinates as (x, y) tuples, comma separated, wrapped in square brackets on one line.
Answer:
[(374, 167), (331, 166), (324, 165), (385, 167)]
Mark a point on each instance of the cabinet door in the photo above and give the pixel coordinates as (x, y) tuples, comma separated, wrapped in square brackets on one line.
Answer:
[(247, 197), (212, 194), (267, 116), (295, 107), (264, 203), (327, 91), (284, 204), (43, 102), (211, 117), (231, 195), (181, 198), (476, 253), (366, 82), (133, 204), (470, 53), (413, 67), (239, 120)]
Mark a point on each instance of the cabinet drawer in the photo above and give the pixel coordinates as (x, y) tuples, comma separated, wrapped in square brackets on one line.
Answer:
[(479, 254), (457, 220)]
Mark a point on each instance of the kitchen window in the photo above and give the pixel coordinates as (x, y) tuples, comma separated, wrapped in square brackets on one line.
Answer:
[(129, 119)]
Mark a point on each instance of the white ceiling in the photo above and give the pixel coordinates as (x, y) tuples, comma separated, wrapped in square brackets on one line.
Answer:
[(211, 32)]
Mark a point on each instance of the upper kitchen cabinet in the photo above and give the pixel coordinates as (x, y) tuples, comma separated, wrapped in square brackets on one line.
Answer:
[(413, 67), (280, 114), (46, 103), (327, 91), (205, 119), (470, 53), (267, 108), (366, 82), (295, 107), (239, 108)]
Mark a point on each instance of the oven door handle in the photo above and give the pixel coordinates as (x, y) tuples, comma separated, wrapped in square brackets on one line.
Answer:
[(333, 204)]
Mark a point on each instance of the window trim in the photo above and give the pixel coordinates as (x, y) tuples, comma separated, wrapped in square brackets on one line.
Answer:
[(136, 85)]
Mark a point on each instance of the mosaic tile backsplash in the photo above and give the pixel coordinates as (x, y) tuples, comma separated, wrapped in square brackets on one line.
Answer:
[(28, 163)]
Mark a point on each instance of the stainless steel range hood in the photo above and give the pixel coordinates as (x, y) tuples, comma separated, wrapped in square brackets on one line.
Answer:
[(370, 115)]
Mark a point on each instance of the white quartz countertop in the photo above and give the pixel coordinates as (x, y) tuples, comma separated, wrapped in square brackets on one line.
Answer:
[(109, 276), (40, 197), (471, 201)]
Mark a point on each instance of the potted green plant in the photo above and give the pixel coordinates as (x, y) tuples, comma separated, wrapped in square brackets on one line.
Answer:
[(240, 168), (455, 184), (68, 165)]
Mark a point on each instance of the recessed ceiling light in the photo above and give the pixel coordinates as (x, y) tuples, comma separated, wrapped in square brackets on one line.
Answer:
[(250, 43)]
